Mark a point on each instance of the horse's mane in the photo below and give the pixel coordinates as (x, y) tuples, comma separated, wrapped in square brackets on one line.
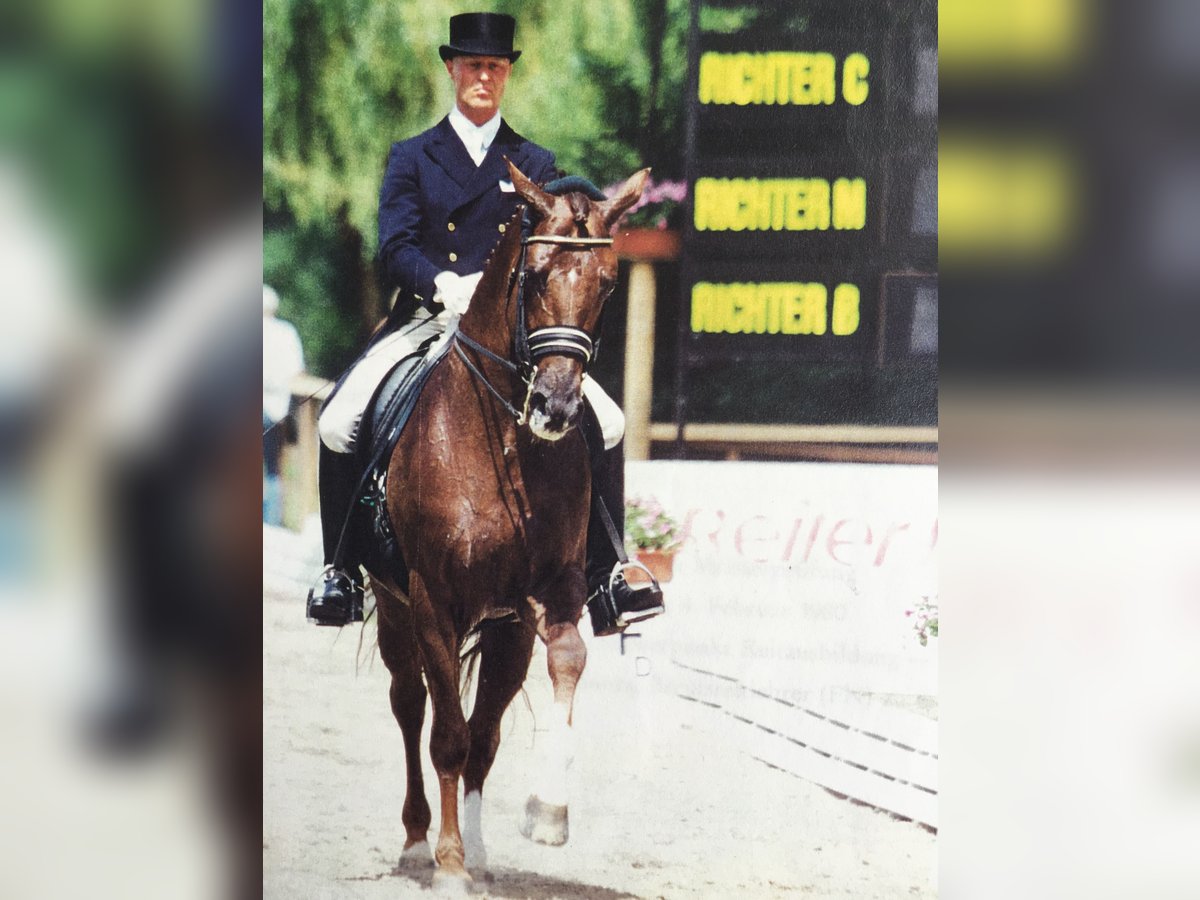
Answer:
[(502, 259)]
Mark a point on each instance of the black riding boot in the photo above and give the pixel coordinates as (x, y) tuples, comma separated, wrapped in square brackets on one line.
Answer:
[(152, 562), (613, 603), (337, 598)]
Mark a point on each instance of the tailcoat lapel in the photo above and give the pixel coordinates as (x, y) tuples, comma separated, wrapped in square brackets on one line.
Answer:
[(493, 169), (448, 151)]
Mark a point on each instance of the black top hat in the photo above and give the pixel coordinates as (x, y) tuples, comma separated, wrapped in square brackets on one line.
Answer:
[(481, 34)]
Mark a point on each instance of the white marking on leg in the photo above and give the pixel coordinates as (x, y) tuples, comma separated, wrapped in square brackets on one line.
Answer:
[(558, 753), (474, 854)]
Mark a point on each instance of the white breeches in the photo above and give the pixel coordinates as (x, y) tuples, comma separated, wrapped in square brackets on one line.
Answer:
[(342, 414), (608, 414), (340, 419)]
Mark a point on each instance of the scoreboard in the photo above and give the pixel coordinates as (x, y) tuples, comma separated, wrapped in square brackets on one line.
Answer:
[(811, 162)]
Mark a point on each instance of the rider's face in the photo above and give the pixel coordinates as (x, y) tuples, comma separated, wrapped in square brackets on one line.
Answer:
[(479, 84)]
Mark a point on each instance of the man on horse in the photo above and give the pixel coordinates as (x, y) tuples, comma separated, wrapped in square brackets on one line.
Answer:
[(445, 202)]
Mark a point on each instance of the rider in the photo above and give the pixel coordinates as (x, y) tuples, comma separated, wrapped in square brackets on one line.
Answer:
[(445, 201)]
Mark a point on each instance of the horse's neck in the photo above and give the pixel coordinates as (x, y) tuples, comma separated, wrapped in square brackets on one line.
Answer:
[(489, 320)]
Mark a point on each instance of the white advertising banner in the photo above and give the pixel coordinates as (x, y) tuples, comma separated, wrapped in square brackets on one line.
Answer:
[(799, 515), (802, 575)]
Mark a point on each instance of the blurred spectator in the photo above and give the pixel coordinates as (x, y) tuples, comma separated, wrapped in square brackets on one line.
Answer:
[(283, 360), (39, 341), (130, 238)]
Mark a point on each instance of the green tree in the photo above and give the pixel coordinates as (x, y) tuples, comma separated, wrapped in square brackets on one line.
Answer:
[(599, 84)]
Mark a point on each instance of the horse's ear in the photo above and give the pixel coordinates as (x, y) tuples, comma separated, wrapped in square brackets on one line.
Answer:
[(538, 199), (626, 195)]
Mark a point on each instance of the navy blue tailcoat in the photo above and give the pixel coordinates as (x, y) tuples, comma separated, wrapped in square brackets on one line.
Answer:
[(438, 211)]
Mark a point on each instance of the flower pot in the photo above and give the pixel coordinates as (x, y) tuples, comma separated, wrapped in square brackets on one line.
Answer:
[(660, 562), (647, 244)]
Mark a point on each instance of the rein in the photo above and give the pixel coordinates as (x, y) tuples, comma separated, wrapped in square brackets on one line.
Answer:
[(460, 339), (530, 346)]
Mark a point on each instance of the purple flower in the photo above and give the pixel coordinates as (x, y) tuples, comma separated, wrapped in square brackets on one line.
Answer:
[(659, 201)]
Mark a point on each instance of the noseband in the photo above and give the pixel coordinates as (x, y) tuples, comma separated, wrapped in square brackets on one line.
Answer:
[(531, 346)]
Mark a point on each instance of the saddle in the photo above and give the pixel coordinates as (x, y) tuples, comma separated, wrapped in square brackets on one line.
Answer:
[(382, 424)]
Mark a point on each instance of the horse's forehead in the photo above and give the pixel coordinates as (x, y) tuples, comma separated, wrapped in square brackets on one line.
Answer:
[(571, 208), (580, 206)]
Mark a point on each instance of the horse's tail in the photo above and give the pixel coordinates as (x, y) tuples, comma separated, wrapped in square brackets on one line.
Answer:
[(468, 661), (472, 646), (359, 656)]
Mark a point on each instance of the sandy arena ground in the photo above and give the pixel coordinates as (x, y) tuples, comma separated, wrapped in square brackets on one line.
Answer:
[(661, 805)]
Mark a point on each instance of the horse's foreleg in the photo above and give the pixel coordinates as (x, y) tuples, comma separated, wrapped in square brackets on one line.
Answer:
[(449, 738), (546, 810), (398, 648), (505, 650)]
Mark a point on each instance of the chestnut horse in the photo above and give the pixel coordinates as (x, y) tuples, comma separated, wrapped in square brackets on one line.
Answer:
[(488, 495)]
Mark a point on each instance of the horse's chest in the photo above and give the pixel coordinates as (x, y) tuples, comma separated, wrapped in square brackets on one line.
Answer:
[(485, 500), (499, 510)]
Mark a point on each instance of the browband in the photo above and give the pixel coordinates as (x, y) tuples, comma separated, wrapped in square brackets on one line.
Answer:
[(567, 241)]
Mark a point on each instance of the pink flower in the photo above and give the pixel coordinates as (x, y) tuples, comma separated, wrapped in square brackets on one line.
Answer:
[(657, 193)]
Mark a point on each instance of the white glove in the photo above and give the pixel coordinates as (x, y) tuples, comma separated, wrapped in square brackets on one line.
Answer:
[(454, 291)]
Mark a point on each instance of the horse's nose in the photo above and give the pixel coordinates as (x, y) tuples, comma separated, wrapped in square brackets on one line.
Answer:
[(551, 415), (558, 411)]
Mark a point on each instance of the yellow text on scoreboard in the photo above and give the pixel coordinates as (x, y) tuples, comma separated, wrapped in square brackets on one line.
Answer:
[(780, 204), (778, 307), (781, 78)]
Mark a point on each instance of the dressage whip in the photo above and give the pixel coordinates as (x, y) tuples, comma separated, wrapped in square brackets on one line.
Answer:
[(292, 412)]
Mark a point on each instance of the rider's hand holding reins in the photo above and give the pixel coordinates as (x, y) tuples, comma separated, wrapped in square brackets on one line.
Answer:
[(454, 291)]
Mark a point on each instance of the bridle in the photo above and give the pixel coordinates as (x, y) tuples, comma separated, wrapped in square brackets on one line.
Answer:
[(531, 346)]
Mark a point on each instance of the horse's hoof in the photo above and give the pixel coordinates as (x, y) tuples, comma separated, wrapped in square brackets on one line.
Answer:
[(544, 823), (474, 858), (447, 883), (417, 856)]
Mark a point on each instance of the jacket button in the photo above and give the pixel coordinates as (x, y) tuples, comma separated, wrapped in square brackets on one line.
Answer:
[(449, 226), (502, 228), (453, 257)]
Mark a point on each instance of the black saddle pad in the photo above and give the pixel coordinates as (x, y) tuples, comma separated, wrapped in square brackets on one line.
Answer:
[(389, 394), (382, 424), (393, 403)]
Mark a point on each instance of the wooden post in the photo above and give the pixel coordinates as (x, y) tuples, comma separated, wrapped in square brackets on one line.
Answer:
[(305, 496), (639, 360), (300, 459)]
